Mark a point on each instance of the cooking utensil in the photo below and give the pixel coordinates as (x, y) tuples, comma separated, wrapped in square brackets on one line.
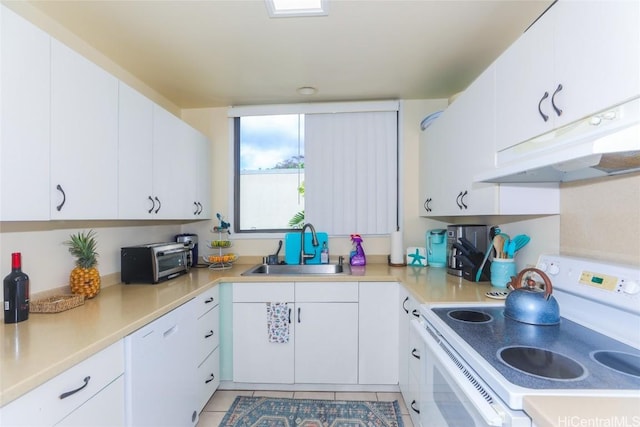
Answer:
[(273, 259), (520, 241), (529, 304), (492, 233), (498, 245)]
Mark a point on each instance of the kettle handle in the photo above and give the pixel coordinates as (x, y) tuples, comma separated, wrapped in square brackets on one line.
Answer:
[(516, 281)]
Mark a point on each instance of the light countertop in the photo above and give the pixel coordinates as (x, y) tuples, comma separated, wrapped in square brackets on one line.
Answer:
[(45, 345)]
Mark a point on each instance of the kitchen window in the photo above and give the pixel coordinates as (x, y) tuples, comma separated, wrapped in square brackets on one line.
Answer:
[(333, 165)]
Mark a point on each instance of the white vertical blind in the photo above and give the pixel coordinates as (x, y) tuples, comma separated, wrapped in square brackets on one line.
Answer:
[(350, 172)]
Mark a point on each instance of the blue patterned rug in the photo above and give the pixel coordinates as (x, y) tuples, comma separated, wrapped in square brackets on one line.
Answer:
[(269, 412)]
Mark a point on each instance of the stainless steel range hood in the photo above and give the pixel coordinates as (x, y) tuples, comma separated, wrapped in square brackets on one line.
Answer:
[(607, 143)]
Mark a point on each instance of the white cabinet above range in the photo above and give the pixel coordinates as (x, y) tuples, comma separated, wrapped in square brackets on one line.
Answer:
[(578, 59)]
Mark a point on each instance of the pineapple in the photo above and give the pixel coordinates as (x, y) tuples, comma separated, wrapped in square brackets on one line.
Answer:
[(84, 278)]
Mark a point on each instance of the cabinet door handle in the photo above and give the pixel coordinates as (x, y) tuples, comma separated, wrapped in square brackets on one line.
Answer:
[(209, 334), (159, 204), (64, 198), (69, 393), (553, 100), (415, 312), (209, 300), (413, 403), (458, 200), (196, 205), (201, 208), (298, 314), (211, 378), (462, 199), (544, 116), (415, 354), (404, 305), (153, 205), (426, 205), (289, 316)]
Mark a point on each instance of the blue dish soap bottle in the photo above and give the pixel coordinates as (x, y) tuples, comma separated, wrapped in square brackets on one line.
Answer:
[(324, 254)]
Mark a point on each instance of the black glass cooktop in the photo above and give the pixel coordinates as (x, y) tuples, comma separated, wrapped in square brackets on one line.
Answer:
[(563, 356)]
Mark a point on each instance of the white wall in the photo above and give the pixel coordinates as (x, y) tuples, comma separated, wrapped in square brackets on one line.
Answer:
[(46, 259)]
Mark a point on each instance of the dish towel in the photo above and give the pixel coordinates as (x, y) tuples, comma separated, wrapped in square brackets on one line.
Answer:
[(278, 322)]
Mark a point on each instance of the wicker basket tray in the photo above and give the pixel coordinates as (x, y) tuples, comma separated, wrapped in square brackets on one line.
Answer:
[(56, 303)]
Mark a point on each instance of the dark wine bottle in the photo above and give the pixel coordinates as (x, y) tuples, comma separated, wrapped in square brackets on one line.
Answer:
[(16, 292)]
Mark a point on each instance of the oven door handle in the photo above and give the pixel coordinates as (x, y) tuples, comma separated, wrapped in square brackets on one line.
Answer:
[(172, 251), (491, 413)]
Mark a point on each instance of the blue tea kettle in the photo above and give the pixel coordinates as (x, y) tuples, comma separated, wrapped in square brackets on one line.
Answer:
[(527, 303)]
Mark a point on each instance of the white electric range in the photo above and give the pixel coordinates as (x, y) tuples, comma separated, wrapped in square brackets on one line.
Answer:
[(478, 364)]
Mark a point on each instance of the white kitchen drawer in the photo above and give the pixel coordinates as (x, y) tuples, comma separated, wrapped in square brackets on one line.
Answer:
[(106, 409), (44, 406), (208, 336), (207, 300), (208, 375), (326, 292), (263, 292)]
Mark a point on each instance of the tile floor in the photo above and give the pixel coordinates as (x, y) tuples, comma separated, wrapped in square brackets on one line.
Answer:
[(214, 411)]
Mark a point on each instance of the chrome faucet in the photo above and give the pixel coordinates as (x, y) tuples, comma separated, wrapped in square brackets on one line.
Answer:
[(314, 241)]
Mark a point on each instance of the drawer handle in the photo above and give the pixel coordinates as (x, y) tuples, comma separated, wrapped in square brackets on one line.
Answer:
[(289, 316), (211, 378), (69, 393), (209, 334), (209, 300), (299, 315), (413, 402), (415, 312), (415, 354)]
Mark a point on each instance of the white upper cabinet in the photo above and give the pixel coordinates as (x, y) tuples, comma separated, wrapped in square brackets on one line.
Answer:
[(203, 183), (460, 144), (135, 155), (597, 55), (84, 138), (24, 119), (171, 158), (579, 58)]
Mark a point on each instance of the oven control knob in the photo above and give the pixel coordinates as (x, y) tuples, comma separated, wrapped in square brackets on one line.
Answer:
[(553, 269), (631, 287)]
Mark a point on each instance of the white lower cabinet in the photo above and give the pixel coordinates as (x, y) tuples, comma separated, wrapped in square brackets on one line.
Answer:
[(408, 310), (322, 345), (89, 394), (255, 358), (378, 333), (416, 380), (103, 410), (160, 361), (207, 343)]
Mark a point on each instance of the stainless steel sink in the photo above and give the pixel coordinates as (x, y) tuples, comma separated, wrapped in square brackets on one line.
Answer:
[(297, 270)]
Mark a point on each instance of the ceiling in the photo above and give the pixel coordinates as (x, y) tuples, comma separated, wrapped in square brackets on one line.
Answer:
[(213, 53)]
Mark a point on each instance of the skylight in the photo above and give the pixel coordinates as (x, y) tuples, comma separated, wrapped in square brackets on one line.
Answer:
[(296, 8)]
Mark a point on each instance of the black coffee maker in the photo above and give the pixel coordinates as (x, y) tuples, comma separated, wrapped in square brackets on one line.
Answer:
[(190, 240)]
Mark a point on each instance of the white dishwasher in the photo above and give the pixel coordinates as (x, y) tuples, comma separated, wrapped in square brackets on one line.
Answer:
[(159, 374)]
